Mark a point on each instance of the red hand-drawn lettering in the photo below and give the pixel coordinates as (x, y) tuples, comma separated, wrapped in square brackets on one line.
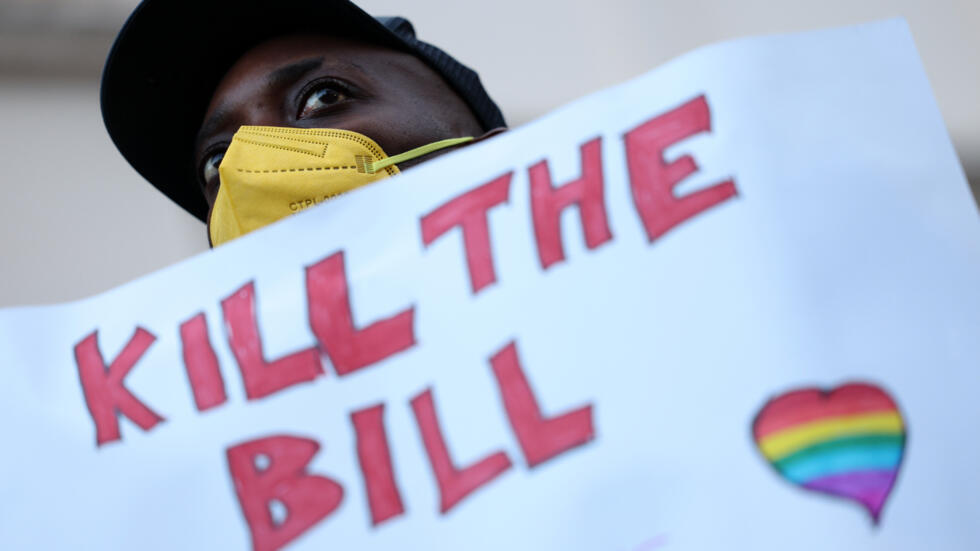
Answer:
[(307, 498), (548, 202), (332, 321), (201, 364), (454, 483), (541, 439), (373, 454), (260, 377), (469, 211), (105, 393), (652, 179)]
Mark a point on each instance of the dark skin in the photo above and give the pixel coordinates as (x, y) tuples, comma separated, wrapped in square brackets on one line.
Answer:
[(307, 81)]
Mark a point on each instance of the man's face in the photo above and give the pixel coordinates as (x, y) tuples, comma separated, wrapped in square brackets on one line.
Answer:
[(324, 82)]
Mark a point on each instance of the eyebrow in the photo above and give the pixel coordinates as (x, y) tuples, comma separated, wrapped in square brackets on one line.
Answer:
[(282, 76), (293, 72), (214, 122)]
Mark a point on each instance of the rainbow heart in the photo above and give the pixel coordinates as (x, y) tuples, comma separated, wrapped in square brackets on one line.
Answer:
[(846, 442)]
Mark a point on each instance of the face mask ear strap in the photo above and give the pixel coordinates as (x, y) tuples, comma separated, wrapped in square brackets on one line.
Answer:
[(207, 225), (375, 166)]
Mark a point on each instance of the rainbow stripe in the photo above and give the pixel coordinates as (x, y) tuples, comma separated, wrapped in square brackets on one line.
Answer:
[(848, 442)]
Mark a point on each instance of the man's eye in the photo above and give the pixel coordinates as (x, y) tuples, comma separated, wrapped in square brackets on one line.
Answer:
[(209, 172), (321, 98)]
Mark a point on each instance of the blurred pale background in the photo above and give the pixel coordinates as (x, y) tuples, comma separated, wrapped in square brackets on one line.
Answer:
[(76, 220)]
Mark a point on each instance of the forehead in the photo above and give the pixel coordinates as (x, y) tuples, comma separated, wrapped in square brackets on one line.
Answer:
[(270, 58), (271, 54)]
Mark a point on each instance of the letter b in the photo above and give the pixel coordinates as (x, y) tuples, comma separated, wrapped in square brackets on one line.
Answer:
[(274, 469)]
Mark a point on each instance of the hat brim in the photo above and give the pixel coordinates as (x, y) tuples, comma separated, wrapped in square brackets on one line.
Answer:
[(170, 56)]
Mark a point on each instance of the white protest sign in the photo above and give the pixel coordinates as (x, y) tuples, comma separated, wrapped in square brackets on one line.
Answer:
[(730, 304)]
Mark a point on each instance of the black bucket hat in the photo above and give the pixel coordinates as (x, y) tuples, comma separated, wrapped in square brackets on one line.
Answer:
[(171, 54)]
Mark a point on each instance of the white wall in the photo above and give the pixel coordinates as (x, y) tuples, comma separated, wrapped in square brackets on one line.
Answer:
[(76, 220)]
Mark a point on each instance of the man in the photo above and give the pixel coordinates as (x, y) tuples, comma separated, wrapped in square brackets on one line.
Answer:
[(184, 78)]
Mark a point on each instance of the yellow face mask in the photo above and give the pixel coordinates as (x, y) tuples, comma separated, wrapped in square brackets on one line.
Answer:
[(269, 173)]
